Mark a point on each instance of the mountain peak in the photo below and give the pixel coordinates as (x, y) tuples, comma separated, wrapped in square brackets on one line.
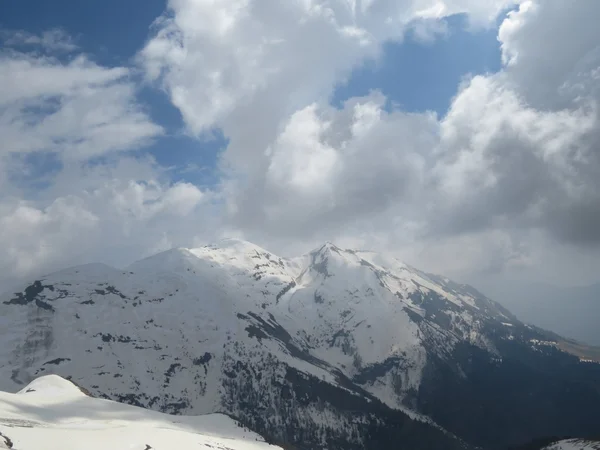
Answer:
[(173, 259), (327, 248)]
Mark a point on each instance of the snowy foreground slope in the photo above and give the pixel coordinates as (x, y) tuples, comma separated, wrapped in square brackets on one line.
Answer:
[(334, 349), (53, 414), (574, 444)]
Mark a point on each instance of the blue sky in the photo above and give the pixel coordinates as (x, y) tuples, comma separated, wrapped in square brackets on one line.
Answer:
[(112, 30), (420, 76), (415, 75)]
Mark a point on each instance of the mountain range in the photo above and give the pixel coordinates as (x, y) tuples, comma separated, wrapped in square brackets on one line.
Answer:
[(336, 348)]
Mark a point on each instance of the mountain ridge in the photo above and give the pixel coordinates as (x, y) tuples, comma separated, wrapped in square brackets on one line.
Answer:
[(331, 346)]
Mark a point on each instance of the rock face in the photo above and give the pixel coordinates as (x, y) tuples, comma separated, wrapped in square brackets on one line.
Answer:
[(333, 349)]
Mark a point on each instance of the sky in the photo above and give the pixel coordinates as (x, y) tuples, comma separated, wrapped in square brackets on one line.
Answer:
[(459, 135)]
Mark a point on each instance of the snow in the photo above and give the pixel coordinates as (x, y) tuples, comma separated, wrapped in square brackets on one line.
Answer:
[(165, 329), (53, 414), (543, 343), (574, 444)]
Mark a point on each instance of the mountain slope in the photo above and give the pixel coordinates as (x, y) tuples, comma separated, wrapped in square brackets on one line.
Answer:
[(337, 347), (52, 413), (574, 444), (556, 443)]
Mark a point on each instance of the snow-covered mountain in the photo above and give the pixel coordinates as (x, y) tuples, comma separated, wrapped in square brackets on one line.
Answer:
[(337, 347), (53, 414)]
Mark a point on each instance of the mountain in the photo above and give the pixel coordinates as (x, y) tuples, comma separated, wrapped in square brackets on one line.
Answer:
[(333, 349), (569, 311), (53, 414)]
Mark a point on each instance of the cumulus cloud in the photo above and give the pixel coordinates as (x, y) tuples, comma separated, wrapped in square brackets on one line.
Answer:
[(329, 168), (520, 147), (510, 174), (71, 113), (503, 161), (549, 49), (110, 213), (31, 237), (244, 66), (516, 154)]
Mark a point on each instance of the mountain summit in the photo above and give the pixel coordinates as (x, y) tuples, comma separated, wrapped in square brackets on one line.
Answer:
[(333, 349)]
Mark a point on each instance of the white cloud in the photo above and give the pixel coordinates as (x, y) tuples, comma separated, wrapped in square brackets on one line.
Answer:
[(262, 72), (299, 159), (108, 216), (548, 46), (76, 109), (222, 61), (32, 238), (143, 201), (330, 167), (489, 127), (255, 69), (515, 157), (509, 176), (426, 31), (520, 147), (55, 40)]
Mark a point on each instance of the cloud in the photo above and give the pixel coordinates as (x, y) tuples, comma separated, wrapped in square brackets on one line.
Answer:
[(515, 157), (426, 31), (223, 62), (76, 109), (506, 181), (329, 168), (54, 40), (549, 48), (262, 73), (65, 126), (32, 237), (520, 148), (101, 213), (502, 161)]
